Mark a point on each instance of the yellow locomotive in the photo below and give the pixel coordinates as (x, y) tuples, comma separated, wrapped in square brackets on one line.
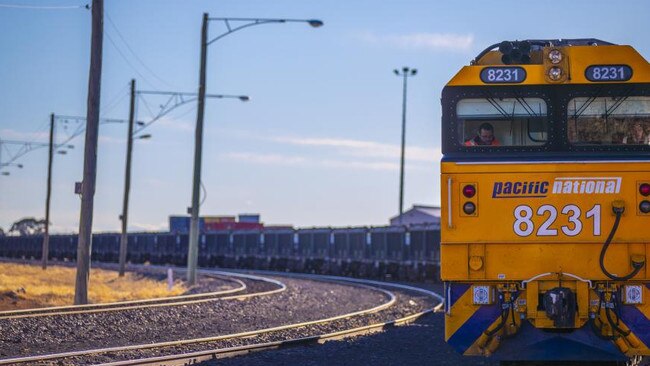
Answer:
[(545, 227)]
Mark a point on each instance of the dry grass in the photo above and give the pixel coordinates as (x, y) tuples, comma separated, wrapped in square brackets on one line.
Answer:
[(28, 286)]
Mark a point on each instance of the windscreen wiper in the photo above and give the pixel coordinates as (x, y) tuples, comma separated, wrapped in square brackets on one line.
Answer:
[(527, 107), (579, 111), (497, 106), (619, 101)]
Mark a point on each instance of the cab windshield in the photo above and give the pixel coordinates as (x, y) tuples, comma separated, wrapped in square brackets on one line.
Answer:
[(502, 121), (609, 120)]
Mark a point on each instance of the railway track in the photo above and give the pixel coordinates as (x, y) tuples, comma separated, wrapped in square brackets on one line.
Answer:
[(390, 312), (126, 305), (213, 354)]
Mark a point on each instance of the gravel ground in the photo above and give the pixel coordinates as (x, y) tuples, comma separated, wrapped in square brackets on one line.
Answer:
[(407, 303), (303, 301), (419, 343)]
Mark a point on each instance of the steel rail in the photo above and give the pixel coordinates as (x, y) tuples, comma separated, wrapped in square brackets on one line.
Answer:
[(195, 357), (120, 305), (160, 302), (39, 358), (343, 279)]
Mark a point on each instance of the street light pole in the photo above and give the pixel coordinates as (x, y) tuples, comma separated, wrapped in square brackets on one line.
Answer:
[(127, 182), (193, 247), (193, 250), (406, 73)]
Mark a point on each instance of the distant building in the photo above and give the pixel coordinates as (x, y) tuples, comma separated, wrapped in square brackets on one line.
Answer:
[(207, 224), (418, 215)]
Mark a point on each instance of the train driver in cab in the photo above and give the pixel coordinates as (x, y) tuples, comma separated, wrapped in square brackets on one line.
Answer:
[(484, 137), (638, 135)]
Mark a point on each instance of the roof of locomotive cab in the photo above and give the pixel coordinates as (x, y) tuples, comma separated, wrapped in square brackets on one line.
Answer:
[(579, 55)]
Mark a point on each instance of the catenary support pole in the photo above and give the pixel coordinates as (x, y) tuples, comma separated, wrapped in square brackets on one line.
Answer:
[(48, 196), (124, 240)]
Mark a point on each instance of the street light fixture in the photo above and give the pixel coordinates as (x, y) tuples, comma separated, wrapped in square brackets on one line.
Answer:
[(193, 250), (405, 73), (6, 173), (19, 166)]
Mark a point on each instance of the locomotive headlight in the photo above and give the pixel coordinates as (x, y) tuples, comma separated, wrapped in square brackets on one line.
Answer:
[(555, 56), (482, 295), (555, 73), (633, 294), (644, 206)]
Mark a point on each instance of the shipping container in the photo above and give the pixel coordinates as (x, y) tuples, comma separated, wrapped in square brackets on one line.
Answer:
[(215, 219), (181, 224), (251, 218)]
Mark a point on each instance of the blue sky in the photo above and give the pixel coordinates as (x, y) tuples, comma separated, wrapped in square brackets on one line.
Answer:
[(317, 145)]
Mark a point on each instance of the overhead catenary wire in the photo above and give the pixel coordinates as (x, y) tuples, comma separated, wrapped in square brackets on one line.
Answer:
[(113, 105), (119, 51), (188, 111), (110, 21), (146, 105), (119, 96), (41, 7)]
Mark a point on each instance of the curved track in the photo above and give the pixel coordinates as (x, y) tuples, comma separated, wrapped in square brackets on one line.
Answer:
[(126, 305), (293, 333), (212, 354)]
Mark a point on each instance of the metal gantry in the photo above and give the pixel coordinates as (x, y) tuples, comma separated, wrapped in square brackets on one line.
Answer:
[(17, 149), (173, 101)]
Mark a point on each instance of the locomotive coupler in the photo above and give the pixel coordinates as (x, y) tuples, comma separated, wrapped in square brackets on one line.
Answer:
[(560, 306)]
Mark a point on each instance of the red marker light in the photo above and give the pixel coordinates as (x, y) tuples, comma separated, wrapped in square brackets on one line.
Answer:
[(644, 189), (469, 191)]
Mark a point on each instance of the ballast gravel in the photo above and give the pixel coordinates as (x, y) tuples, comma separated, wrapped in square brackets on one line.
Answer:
[(419, 343), (406, 304), (302, 301)]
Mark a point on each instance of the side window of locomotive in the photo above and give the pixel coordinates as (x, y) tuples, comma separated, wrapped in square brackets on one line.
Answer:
[(609, 121), (502, 122)]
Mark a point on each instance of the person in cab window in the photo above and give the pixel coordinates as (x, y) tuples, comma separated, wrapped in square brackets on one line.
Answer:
[(484, 137), (638, 135), (618, 138)]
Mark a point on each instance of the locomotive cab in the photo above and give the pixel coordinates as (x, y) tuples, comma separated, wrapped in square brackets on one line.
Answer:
[(545, 211)]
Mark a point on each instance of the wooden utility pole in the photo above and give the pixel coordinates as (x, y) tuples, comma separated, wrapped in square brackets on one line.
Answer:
[(90, 155), (127, 182), (46, 237)]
